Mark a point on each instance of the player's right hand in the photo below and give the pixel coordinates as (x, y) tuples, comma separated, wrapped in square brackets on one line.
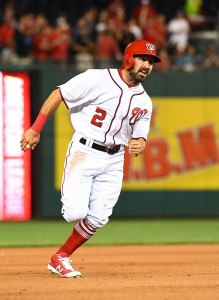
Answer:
[(29, 140)]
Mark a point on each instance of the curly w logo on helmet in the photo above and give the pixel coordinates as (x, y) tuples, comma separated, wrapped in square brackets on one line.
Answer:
[(150, 47)]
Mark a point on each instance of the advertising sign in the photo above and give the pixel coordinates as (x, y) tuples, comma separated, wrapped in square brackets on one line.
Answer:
[(15, 181), (182, 151)]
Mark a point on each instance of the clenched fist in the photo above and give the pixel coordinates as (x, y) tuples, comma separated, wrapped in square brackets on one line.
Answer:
[(136, 146)]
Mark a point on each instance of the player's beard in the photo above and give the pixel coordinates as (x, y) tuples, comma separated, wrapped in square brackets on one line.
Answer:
[(136, 77)]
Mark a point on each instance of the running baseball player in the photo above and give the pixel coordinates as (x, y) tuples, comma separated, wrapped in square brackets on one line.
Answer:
[(109, 110)]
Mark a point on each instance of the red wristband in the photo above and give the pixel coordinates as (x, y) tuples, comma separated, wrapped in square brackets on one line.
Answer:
[(39, 123)]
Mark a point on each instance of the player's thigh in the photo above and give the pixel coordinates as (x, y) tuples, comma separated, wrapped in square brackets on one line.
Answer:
[(104, 195), (75, 195)]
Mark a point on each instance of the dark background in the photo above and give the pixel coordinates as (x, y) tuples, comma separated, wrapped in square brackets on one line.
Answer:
[(73, 9)]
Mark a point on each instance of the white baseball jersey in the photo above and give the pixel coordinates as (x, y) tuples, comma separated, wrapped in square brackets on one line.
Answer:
[(104, 108)]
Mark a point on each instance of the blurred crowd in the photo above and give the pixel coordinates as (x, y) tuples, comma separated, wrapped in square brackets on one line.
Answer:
[(86, 34)]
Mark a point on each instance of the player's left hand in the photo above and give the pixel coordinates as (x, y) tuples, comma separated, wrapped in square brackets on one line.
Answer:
[(136, 146)]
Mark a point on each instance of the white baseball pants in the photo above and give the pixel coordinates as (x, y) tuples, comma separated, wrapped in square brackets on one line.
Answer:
[(91, 184)]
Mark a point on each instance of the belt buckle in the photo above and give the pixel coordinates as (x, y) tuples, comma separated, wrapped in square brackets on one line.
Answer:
[(113, 150)]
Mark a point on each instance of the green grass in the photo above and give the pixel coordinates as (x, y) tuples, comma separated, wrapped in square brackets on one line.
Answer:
[(116, 232)]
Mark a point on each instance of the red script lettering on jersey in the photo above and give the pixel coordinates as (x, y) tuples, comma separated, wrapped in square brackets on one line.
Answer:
[(137, 113)]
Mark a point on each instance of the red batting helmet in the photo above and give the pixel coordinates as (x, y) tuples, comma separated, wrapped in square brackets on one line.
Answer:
[(139, 47)]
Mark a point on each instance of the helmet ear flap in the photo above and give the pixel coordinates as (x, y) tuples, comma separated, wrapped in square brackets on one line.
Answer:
[(128, 62)]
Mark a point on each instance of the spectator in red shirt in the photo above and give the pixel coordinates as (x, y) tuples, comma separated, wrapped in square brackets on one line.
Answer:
[(156, 31), (42, 39), (143, 12), (107, 50), (116, 8), (60, 40), (7, 31)]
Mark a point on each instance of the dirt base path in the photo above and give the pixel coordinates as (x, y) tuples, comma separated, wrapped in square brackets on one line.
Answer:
[(124, 272)]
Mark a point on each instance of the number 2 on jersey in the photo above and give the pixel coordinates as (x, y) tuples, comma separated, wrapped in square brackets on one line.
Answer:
[(98, 117)]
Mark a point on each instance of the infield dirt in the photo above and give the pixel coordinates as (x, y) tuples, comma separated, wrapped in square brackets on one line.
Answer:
[(122, 272)]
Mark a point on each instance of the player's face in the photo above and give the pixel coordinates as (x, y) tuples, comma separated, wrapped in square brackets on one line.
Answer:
[(142, 68)]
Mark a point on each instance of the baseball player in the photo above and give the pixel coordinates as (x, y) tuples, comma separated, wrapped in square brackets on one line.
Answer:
[(109, 110)]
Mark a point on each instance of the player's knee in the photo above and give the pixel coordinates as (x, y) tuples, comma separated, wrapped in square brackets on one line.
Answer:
[(72, 215), (96, 222)]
